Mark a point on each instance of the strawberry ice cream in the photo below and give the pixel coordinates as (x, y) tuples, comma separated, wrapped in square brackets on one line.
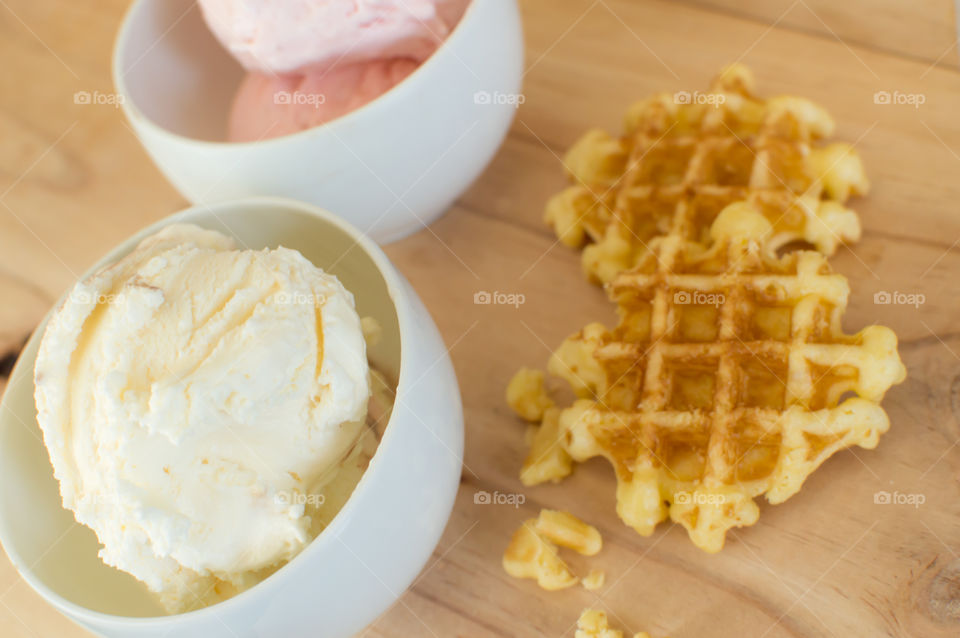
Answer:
[(271, 106), (311, 61)]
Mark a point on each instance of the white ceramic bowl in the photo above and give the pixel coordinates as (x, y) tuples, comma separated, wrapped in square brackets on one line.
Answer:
[(375, 546), (389, 168)]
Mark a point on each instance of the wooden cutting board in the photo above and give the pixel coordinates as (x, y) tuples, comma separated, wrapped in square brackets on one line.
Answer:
[(829, 562)]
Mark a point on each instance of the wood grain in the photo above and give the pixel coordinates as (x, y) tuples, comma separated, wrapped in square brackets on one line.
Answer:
[(830, 562), (923, 29)]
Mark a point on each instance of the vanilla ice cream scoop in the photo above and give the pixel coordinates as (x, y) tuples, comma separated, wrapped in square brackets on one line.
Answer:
[(312, 35), (188, 391)]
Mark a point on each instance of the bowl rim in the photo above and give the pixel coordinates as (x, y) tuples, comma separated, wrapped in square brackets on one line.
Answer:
[(397, 92), (399, 298)]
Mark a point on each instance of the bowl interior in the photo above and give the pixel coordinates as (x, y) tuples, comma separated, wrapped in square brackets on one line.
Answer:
[(43, 540), (173, 70)]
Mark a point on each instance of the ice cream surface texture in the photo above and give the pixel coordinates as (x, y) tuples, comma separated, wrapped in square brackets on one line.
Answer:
[(300, 36), (192, 398)]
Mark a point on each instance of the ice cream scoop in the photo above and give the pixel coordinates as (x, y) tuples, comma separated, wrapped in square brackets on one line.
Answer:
[(311, 61), (273, 105), (192, 396)]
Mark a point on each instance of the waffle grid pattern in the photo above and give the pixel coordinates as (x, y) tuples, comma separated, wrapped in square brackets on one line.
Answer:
[(706, 419), (679, 165)]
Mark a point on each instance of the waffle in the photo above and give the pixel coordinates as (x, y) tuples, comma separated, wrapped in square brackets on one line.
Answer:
[(683, 158), (727, 377)]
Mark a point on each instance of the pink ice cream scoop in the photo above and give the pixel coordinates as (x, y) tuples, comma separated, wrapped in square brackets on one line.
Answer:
[(311, 61), (270, 106)]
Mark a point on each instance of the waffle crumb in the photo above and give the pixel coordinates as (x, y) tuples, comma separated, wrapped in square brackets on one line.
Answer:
[(593, 623), (530, 555), (594, 580), (533, 550), (566, 530)]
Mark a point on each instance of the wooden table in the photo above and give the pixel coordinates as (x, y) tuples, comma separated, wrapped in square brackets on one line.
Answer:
[(830, 562)]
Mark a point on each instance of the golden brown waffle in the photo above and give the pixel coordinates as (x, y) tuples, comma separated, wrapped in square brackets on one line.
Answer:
[(684, 157), (728, 377)]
